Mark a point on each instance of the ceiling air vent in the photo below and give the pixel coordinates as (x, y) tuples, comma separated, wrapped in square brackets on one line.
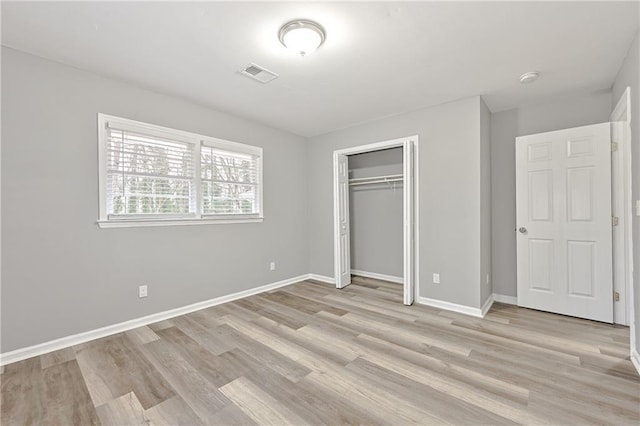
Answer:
[(259, 73)]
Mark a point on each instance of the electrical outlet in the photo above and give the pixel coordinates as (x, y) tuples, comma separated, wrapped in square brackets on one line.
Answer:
[(436, 278), (272, 266), (142, 291)]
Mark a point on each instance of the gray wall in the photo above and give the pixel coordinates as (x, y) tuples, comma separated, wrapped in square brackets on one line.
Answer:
[(629, 76), (376, 214), (504, 129), (485, 203), (556, 114), (62, 274), (449, 192)]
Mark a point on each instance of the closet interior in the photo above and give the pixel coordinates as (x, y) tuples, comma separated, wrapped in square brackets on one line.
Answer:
[(376, 214)]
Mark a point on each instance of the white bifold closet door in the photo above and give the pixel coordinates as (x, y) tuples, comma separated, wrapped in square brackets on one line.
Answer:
[(343, 244), (563, 198), (409, 223)]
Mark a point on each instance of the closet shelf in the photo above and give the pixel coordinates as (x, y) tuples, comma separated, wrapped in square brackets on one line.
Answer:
[(376, 179)]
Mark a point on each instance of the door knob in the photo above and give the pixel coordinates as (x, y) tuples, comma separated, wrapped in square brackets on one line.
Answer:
[(522, 230)]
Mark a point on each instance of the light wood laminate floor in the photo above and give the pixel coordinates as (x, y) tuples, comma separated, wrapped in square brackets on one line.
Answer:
[(311, 354)]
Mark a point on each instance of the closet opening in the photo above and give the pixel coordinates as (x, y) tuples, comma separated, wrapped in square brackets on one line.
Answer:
[(372, 184)]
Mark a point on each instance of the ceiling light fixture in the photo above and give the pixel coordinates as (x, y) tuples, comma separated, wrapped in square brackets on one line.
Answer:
[(302, 36), (529, 77)]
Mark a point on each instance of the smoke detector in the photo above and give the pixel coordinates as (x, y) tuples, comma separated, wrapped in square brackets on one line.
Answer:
[(258, 73), (529, 77)]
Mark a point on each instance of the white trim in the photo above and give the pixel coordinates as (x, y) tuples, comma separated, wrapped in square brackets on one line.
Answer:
[(408, 210), (635, 359), (487, 305), (416, 215), (631, 307), (377, 276), (148, 128), (322, 278), (623, 195), (463, 309), (75, 339), (377, 146), (134, 223), (410, 235), (503, 298), (225, 145)]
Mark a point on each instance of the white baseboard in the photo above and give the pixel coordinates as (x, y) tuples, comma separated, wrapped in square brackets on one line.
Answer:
[(635, 359), (501, 298), (75, 339), (463, 309), (376, 276), (323, 278), (487, 305)]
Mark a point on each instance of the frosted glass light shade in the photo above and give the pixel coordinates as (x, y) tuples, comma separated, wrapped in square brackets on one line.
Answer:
[(302, 37)]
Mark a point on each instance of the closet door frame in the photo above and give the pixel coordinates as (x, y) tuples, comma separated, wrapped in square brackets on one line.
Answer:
[(410, 161)]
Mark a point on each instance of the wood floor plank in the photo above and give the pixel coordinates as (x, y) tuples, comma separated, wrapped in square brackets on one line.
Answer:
[(259, 405), (327, 349), (212, 341), (57, 357), (124, 410), (515, 411), (66, 396), (173, 411), (206, 318), (202, 396), (161, 325), (252, 305), (451, 371), (308, 403), (310, 354), (282, 365), (142, 335), (211, 367), (595, 383), (23, 401), (537, 338), (314, 303), (470, 335), (442, 405), (231, 415), (578, 385), (602, 406), (399, 335), (114, 367), (376, 401)]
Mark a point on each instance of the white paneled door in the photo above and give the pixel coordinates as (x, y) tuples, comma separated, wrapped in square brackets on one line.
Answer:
[(343, 260), (563, 197)]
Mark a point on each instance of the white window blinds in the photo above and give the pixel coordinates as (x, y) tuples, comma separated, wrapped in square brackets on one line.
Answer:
[(152, 175), (148, 175), (229, 182)]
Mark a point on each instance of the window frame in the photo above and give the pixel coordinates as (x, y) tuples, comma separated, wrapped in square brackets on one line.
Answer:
[(193, 218)]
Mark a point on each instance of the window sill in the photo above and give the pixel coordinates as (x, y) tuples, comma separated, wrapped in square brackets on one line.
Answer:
[(137, 223)]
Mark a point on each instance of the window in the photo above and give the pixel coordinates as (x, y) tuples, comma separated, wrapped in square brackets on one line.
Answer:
[(152, 175)]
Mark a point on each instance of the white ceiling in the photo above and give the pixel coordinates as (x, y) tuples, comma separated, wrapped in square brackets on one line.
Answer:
[(379, 59)]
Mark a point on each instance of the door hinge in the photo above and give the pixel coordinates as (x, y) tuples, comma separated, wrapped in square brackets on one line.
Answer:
[(614, 220), (614, 146), (616, 296)]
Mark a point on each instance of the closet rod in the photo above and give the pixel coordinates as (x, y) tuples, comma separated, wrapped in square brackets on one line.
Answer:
[(376, 179)]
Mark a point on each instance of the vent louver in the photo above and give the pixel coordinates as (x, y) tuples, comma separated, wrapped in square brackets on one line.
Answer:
[(258, 73)]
